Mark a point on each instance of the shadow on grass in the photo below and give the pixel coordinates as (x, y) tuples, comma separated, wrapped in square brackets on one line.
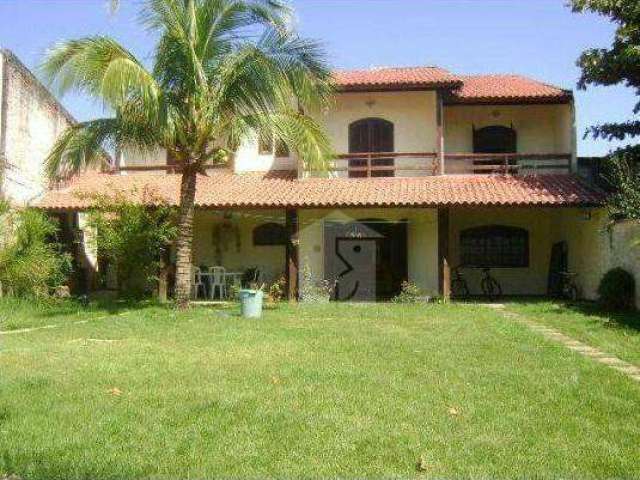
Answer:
[(625, 319)]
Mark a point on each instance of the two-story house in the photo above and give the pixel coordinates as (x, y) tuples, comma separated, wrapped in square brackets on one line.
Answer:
[(433, 171)]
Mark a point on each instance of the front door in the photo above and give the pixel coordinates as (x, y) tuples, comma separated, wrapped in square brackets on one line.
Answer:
[(365, 260), (371, 135)]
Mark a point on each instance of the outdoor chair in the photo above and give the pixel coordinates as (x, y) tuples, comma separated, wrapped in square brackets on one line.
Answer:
[(198, 283), (218, 282)]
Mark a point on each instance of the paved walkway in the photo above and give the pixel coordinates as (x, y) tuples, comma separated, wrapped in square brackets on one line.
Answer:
[(611, 361)]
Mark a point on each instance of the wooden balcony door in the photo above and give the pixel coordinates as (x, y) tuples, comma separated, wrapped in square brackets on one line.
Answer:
[(371, 135)]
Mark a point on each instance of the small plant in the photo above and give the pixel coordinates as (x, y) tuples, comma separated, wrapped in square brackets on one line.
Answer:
[(617, 290), (277, 290), (409, 293), (314, 289)]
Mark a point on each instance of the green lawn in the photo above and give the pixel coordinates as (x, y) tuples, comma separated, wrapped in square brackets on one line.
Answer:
[(616, 333), (310, 391)]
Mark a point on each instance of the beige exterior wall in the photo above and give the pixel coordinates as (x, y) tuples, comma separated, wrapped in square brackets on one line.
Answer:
[(237, 251), (595, 247), (582, 229), (422, 240), (540, 128), (30, 122), (130, 157), (413, 115)]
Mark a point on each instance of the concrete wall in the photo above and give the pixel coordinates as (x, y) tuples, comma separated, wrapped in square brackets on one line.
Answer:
[(422, 240), (30, 122), (624, 251), (237, 251)]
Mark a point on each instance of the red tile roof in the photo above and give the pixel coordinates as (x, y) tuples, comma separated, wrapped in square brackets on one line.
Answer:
[(222, 189), (463, 88), (505, 88), (398, 78)]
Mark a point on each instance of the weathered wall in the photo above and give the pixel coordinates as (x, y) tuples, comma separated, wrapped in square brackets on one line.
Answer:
[(422, 240), (624, 250), (30, 122)]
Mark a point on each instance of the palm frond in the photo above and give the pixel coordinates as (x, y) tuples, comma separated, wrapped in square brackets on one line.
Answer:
[(81, 146), (99, 67)]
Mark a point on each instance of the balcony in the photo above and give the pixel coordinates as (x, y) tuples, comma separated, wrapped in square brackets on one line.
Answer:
[(414, 164)]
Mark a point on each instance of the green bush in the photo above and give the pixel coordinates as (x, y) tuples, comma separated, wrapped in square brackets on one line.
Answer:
[(409, 293), (133, 237), (617, 290), (31, 262)]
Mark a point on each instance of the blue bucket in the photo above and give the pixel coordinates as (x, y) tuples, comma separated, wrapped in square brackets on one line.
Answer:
[(251, 303)]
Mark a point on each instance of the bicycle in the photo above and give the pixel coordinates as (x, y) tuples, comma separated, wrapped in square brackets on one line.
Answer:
[(490, 286), (459, 287), (569, 288)]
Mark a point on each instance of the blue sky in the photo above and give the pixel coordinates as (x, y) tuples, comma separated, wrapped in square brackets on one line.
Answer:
[(539, 38)]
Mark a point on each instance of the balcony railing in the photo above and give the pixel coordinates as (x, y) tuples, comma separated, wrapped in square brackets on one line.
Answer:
[(385, 164), (507, 163), (389, 164)]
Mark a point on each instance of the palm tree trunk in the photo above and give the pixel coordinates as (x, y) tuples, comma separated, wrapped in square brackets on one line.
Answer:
[(184, 242)]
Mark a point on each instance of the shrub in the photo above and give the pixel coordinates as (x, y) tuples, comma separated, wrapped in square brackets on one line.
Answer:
[(31, 262), (313, 289), (617, 290), (277, 290), (409, 293), (133, 237)]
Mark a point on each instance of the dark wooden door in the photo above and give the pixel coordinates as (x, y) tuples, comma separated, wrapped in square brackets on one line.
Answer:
[(371, 135), (365, 260)]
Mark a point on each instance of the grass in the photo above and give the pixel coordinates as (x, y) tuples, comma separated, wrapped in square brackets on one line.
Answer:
[(615, 333), (307, 391)]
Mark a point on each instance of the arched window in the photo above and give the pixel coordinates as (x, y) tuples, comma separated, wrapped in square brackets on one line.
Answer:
[(270, 234), (495, 139), (494, 246), (371, 135)]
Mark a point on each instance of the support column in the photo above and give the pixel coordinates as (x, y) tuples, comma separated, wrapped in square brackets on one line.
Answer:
[(444, 269), (440, 132), (291, 262)]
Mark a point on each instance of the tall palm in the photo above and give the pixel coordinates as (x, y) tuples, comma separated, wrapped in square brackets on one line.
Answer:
[(222, 70)]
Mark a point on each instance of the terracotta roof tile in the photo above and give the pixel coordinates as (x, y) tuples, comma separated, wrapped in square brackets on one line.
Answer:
[(500, 88), (222, 189), (397, 78)]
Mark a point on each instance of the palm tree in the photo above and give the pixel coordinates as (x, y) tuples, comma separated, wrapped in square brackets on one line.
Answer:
[(222, 70)]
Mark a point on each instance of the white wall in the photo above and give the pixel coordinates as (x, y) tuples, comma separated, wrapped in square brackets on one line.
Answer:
[(30, 122)]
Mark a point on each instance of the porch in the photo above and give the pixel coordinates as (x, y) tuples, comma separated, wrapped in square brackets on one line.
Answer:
[(365, 254)]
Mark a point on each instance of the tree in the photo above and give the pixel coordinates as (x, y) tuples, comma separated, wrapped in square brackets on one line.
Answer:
[(619, 64), (222, 70)]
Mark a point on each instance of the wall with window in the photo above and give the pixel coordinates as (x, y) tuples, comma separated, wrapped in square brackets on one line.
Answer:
[(227, 239), (515, 280), (540, 128)]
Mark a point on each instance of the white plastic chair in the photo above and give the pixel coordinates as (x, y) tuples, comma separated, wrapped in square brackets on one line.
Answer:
[(197, 282), (218, 282)]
